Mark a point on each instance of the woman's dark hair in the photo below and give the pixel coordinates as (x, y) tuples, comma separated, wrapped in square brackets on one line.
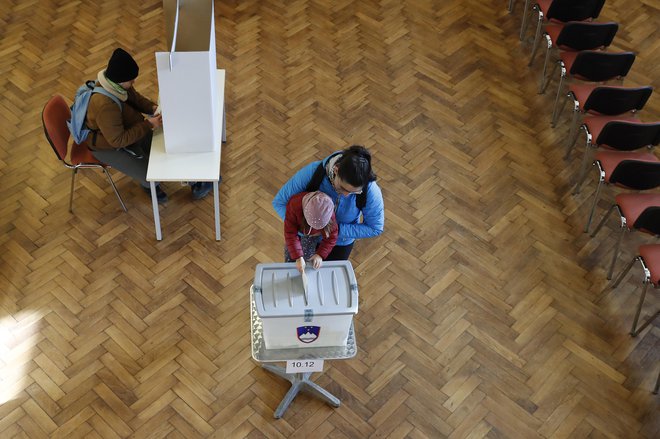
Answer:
[(354, 166)]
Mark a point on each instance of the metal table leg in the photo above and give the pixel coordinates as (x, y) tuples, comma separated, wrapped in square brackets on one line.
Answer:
[(154, 203), (216, 203), (224, 123), (299, 381)]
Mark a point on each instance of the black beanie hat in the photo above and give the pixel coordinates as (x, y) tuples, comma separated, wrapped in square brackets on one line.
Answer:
[(121, 67)]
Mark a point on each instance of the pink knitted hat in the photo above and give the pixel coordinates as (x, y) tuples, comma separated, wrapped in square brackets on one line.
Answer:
[(317, 208)]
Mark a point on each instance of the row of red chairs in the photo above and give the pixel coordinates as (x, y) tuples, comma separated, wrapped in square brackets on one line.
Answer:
[(607, 114)]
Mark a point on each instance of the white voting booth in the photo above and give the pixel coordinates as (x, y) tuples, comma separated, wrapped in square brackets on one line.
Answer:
[(191, 89), (303, 322), (187, 78)]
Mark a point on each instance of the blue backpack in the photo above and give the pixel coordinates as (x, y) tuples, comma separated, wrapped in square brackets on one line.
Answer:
[(76, 124)]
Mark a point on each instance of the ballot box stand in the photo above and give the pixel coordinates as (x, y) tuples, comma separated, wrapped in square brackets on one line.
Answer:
[(301, 356)]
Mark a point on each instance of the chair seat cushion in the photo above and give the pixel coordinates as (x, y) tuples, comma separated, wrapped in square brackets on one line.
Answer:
[(82, 154), (568, 58), (632, 205), (544, 5), (609, 160), (651, 256), (553, 30), (581, 92)]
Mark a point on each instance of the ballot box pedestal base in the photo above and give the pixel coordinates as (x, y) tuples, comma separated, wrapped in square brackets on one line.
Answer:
[(299, 382)]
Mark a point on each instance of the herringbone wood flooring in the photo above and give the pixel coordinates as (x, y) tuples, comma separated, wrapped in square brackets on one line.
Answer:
[(479, 304)]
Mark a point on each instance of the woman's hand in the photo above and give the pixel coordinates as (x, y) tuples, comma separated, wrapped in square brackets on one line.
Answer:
[(300, 264), (316, 261)]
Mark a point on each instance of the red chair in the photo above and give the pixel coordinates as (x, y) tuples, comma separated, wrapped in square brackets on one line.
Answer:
[(615, 132), (591, 66), (608, 100), (560, 11), (54, 116), (630, 170), (636, 212), (574, 36)]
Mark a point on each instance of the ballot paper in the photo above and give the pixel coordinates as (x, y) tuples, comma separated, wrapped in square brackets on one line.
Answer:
[(304, 280)]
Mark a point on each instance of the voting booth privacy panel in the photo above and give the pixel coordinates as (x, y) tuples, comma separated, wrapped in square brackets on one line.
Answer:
[(291, 318), (189, 95)]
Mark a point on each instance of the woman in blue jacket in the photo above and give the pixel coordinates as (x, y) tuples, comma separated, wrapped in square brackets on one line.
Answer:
[(346, 176)]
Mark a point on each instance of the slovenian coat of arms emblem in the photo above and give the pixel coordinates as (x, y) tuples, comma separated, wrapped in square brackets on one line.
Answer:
[(308, 334)]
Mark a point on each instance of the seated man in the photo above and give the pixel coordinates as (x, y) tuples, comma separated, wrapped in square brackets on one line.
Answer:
[(121, 137)]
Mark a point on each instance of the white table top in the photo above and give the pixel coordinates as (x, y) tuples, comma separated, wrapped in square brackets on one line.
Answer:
[(190, 166)]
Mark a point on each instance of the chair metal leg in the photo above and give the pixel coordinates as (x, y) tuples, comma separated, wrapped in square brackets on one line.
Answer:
[(618, 280), (548, 77), (114, 188), (634, 331), (510, 7), (580, 181), (523, 26), (574, 132), (657, 385), (537, 36), (555, 110), (624, 272), (616, 251), (542, 80), (585, 159), (601, 179), (73, 180), (602, 221)]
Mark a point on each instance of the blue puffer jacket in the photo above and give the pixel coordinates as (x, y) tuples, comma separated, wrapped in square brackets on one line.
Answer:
[(347, 213)]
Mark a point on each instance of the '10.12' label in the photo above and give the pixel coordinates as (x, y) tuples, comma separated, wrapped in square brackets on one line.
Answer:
[(299, 366)]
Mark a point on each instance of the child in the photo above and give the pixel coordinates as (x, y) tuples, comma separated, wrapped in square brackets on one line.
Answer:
[(311, 215)]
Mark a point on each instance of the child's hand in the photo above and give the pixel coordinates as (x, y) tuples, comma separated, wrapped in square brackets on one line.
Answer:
[(300, 264), (316, 261)]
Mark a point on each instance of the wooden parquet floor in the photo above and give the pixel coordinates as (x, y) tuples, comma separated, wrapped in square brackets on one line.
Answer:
[(481, 307)]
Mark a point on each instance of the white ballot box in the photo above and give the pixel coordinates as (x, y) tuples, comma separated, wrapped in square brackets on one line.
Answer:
[(294, 319)]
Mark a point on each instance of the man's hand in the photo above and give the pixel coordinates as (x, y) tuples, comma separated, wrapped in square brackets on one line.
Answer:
[(156, 121)]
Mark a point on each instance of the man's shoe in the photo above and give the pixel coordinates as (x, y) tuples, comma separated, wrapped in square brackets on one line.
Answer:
[(134, 151), (201, 189), (161, 196)]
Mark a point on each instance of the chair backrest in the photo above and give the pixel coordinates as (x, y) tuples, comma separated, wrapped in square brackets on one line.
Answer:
[(627, 136), (578, 35), (594, 65), (617, 100), (574, 10), (54, 116), (636, 174), (649, 220)]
